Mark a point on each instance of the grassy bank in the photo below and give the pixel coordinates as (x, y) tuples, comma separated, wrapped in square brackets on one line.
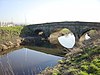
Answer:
[(9, 33), (86, 62)]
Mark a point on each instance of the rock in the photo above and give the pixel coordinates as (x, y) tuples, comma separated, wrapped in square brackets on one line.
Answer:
[(4, 47), (54, 38), (17, 44), (18, 40), (6, 43), (0, 48), (74, 51), (97, 42), (9, 44)]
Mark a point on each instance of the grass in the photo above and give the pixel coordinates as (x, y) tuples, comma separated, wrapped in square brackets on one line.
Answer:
[(88, 63), (9, 33), (12, 30), (65, 31)]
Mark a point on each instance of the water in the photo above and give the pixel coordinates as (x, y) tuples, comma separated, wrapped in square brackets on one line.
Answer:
[(26, 62)]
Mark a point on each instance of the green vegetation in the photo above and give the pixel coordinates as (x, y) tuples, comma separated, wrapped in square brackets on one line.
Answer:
[(8, 33), (92, 32), (65, 31), (84, 63), (54, 36), (56, 72), (16, 28)]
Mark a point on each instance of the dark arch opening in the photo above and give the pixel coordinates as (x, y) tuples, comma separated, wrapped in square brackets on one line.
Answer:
[(88, 30), (89, 34), (40, 38), (39, 32), (85, 31)]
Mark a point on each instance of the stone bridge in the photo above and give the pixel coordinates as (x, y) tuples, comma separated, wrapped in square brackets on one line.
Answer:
[(77, 28)]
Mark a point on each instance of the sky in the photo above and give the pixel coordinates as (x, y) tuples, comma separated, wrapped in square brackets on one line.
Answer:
[(43, 11)]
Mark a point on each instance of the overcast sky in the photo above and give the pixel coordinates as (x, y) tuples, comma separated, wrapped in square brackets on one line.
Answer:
[(41, 11)]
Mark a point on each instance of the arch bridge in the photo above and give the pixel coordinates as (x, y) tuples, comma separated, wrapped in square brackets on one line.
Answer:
[(77, 28)]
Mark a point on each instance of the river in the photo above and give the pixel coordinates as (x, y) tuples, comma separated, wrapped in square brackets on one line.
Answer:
[(26, 62)]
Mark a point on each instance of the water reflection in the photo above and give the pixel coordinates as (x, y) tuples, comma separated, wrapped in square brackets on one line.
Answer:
[(26, 62), (67, 41)]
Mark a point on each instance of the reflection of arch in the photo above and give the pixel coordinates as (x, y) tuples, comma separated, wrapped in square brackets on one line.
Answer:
[(39, 32)]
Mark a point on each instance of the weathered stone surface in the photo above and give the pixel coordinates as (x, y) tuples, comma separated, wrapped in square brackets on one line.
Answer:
[(4, 47), (9, 44), (1, 48), (54, 38), (77, 28), (18, 41)]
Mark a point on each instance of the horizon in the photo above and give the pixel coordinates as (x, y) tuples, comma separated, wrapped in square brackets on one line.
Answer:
[(50, 22), (43, 11)]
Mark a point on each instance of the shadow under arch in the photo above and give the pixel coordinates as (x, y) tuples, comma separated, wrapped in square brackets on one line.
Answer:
[(33, 36), (90, 32), (39, 32)]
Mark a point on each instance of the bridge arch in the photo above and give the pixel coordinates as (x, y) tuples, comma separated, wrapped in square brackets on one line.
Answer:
[(59, 32), (90, 32), (39, 32), (77, 28)]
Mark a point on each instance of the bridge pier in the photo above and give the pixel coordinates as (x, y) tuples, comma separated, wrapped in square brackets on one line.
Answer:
[(77, 43)]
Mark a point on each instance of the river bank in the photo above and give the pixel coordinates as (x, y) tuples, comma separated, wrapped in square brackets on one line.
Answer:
[(84, 60), (10, 37)]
